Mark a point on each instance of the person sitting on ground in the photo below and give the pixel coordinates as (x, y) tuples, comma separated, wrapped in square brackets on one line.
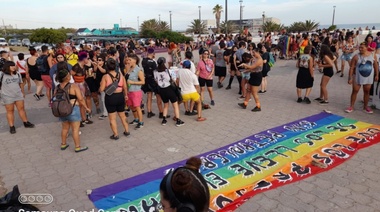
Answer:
[(185, 189)]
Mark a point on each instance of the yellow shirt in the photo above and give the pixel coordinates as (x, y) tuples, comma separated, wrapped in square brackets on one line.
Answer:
[(72, 59)]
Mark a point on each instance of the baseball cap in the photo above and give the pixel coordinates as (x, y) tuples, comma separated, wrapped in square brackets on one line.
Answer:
[(186, 64), (150, 51)]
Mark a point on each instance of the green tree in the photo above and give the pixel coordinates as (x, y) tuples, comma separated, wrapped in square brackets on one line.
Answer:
[(217, 10), (310, 25), (229, 26), (51, 36), (332, 28), (271, 26), (197, 27), (173, 36), (151, 27), (296, 27)]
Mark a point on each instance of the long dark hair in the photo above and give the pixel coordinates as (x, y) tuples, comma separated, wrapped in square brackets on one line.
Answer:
[(325, 50), (7, 67), (61, 75)]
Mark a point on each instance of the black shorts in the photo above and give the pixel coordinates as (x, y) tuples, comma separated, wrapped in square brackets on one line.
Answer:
[(220, 71), (204, 82), (168, 94), (328, 72), (150, 85), (115, 102), (255, 78)]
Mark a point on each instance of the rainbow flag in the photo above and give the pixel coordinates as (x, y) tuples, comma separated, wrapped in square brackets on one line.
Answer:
[(260, 162)]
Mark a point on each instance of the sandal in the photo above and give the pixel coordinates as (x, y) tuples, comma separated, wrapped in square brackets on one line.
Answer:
[(64, 146), (126, 133), (341, 75), (80, 149), (114, 137)]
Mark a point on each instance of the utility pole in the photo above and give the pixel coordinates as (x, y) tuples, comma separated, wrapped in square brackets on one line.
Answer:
[(138, 24), (170, 12), (159, 17), (263, 20), (226, 18), (200, 17), (241, 14), (5, 29), (333, 16)]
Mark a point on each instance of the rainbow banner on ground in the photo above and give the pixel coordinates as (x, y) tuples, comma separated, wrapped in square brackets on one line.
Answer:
[(260, 162)]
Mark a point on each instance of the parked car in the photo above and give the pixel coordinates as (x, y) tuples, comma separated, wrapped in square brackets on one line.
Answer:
[(26, 42), (4, 45), (14, 42)]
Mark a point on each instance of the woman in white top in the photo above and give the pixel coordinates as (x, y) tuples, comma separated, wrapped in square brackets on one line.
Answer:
[(21, 67)]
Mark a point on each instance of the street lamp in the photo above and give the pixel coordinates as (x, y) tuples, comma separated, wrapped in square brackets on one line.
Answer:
[(200, 17), (138, 25), (170, 12), (159, 17), (226, 18), (333, 16), (263, 20), (241, 14)]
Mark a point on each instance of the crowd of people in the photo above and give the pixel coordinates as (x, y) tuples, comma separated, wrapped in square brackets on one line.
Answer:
[(90, 73)]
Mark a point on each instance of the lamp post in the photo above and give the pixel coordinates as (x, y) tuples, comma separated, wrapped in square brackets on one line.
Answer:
[(241, 14), (159, 17), (226, 18), (200, 17), (263, 20), (170, 12), (333, 16), (138, 24)]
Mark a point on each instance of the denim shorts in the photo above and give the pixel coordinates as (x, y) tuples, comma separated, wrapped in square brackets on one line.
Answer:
[(73, 117), (246, 75), (347, 57)]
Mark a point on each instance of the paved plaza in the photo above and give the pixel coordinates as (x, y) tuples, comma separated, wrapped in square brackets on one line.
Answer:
[(32, 157)]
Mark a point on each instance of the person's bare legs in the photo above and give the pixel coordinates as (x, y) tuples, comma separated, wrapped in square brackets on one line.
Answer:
[(21, 110), (10, 114), (166, 108), (176, 109), (308, 91), (366, 91), (202, 93), (255, 94), (324, 93), (211, 93), (113, 124), (264, 84), (65, 132), (149, 101), (39, 86), (75, 131), (123, 120), (159, 103)]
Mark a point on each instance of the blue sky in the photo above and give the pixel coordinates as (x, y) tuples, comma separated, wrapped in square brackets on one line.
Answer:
[(105, 13)]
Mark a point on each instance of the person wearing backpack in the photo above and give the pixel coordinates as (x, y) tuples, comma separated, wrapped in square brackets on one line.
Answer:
[(115, 86), (74, 119), (11, 95), (43, 68)]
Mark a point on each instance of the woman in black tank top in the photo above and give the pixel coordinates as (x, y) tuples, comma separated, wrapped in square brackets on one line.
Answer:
[(34, 74)]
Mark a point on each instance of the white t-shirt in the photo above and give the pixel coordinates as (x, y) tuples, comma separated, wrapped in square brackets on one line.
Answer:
[(21, 66), (162, 78), (275, 39), (187, 81)]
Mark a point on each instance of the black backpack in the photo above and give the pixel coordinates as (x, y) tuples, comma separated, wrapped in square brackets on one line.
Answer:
[(61, 105), (42, 64)]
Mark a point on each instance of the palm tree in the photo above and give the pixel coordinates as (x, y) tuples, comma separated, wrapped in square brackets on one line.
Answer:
[(197, 27), (217, 10), (271, 26), (229, 26), (149, 25), (310, 25), (162, 26), (296, 27)]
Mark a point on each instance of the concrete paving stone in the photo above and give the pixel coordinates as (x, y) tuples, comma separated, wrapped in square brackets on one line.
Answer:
[(343, 191), (272, 194), (66, 198), (323, 205), (361, 198), (305, 186), (290, 189), (305, 197), (323, 193), (361, 207), (287, 200), (284, 208), (342, 201), (267, 204), (321, 183)]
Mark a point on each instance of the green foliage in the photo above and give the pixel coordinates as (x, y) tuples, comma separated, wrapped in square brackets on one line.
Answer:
[(151, 27), (332, 28), (197, 27), (51, 36), (217, 10), (173, 37), (306, 26), (271, 26)]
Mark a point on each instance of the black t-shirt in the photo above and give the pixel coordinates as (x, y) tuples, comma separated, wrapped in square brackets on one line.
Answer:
[(2, 62), (266, 57), (149, 66)]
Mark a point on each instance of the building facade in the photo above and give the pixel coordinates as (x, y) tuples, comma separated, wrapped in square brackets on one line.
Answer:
[(255, 25)]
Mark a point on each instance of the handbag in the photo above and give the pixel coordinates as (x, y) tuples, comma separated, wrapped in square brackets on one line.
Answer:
[(110, 89), (176, 89)]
